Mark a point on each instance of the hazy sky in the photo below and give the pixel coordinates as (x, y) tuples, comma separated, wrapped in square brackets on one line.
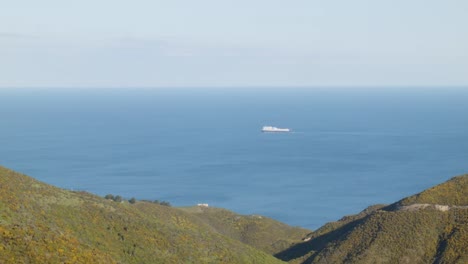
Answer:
[(117, 43)]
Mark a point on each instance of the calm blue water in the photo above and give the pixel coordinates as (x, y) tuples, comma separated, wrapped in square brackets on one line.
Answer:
[(350, 147)]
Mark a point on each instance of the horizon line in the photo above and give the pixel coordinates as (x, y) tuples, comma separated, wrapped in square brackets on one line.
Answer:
[(243, 87)]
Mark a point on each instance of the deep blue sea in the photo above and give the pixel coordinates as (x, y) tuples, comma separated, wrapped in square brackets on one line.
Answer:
[(350, 147)]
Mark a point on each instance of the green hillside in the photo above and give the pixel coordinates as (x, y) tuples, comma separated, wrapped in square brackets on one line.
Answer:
[(400, 233), (258, 231), (453, 192), (43, 224), (40, 223)]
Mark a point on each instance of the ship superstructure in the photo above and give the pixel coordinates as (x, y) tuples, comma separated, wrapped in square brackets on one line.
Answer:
[(275, 129)]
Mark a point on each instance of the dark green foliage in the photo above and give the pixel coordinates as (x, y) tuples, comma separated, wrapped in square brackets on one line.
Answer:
[(164, 203), (109, 197), (118, 199)]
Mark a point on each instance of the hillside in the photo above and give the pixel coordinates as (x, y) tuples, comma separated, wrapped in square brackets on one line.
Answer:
[(40, 223), (453, 193), (260, 232), (429, 227)]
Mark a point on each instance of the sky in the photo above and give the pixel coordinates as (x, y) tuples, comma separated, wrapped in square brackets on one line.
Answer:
[(224, 43)]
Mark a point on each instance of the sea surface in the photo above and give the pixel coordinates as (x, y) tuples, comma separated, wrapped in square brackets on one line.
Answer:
[(350, 147)]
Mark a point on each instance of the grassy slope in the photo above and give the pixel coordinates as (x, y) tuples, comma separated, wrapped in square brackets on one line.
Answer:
[(260, 232), (387, 235), (43, 224), (452, 192)]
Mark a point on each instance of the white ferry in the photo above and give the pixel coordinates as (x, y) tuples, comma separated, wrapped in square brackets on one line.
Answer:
[(275, 129)]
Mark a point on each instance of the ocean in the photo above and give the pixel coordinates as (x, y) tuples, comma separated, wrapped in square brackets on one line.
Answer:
[(349, 147)]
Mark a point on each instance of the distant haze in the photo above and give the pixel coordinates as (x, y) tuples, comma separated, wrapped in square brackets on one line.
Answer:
[(145, 43)]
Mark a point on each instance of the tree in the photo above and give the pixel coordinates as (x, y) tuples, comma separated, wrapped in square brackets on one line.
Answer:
[(109, 197), (118, 198), (132, 200), (165, 203)]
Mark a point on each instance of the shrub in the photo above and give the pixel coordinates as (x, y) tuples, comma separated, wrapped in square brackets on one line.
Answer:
[(118, 198), (165, 203), (109, 197)]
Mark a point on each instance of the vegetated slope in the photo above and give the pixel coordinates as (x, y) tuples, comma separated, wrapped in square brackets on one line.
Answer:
[(453, 193), (43, 224), (404, 232), (260, 232)]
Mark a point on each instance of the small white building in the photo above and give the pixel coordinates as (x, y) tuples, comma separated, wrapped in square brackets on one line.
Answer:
[(202, 204)]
